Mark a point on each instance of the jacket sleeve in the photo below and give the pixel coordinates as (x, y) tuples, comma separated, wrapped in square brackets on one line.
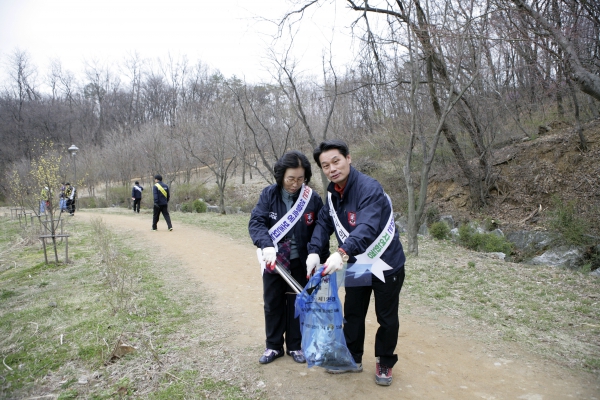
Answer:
[(258, 227), (155, 194), (133, 192), (168, 194)]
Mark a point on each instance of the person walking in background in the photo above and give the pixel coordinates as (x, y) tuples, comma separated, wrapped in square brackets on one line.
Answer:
[(136, 196), (281, 225), (62, 198), (161, 202), (44, 200), (71, 196), (361, 215)]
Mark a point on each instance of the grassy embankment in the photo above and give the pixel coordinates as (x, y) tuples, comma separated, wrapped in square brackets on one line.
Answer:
[(62, 326)]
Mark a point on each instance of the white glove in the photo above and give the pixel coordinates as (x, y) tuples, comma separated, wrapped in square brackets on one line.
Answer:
[(333, 264), (312, 262), (269, 257)]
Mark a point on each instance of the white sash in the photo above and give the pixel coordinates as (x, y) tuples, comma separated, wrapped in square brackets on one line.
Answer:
[(371, 258), (287, 222)]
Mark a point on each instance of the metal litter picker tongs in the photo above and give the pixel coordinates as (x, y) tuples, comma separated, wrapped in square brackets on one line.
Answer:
[(288, 277), (296, 287)]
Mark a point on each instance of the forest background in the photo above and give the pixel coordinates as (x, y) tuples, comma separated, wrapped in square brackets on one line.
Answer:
[(437, 91)]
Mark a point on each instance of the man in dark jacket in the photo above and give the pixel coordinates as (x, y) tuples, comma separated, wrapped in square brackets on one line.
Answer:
[(360, 213), (71, 194), (136, 196), (161, 202)]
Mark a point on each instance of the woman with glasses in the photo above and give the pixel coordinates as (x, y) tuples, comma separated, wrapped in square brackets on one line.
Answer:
[(281, 225)]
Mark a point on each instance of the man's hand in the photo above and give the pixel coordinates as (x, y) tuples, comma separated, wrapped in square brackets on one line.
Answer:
[(333, 264), (312, 262), (269, 257)]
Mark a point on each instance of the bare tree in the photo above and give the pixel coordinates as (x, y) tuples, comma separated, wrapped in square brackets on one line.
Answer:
[(586, 78), (416, 205), (211, 140)]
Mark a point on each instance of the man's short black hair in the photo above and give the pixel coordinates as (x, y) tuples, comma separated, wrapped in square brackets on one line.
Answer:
[(330, 145), (292, 159), (137, 182), (158, 177)]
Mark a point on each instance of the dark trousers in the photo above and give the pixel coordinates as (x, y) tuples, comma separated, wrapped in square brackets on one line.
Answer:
[(136, 205), (279, 299), (71, 206), (356, 304), (165, 212)]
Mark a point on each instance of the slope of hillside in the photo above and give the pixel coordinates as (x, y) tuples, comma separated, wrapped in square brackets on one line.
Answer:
[(529, 174)]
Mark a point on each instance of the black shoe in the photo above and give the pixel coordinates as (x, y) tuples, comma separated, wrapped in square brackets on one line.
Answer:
[(297, 355), (269, 355)]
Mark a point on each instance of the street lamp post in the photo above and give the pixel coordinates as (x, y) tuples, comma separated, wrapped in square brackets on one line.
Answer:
[(73, 150)]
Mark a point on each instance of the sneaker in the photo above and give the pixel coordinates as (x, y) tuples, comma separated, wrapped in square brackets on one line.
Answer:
[(297, 355), (343, 370), (269, 355), (170, 229), (383, 374), (154, 230)]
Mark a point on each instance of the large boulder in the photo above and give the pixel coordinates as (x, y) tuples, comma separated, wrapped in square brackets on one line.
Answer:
[(401, 222), (449, 220), (531, 240), (562, 256)]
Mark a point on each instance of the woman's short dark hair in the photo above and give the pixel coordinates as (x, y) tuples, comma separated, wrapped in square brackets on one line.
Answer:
[(291, 159), (330, 145)]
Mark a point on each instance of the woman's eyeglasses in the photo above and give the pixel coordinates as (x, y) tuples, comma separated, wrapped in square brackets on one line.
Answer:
[(291, 180)]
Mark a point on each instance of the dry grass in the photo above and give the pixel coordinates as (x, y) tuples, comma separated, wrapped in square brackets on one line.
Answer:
[(550, 311), (60, 326)]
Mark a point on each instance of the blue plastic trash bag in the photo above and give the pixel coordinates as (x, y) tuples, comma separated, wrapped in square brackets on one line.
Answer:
[(321, 323)]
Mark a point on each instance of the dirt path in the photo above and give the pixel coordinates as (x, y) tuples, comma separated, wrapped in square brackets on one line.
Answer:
[(434, 363)]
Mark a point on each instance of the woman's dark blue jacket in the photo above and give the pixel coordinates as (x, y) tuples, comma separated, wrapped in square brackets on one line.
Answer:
[(271, 208)]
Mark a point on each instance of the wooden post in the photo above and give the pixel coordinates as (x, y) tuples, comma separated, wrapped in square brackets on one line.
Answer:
[(66, 249), (45, 254), (43, 239)]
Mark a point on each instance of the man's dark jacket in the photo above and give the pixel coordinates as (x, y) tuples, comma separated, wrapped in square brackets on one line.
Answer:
[(363, 211), (159, 198), (135, 193)]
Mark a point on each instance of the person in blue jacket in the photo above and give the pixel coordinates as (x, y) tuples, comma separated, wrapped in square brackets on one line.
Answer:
[(161, 202), (136, 196), (363, 223), (281, 224)]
